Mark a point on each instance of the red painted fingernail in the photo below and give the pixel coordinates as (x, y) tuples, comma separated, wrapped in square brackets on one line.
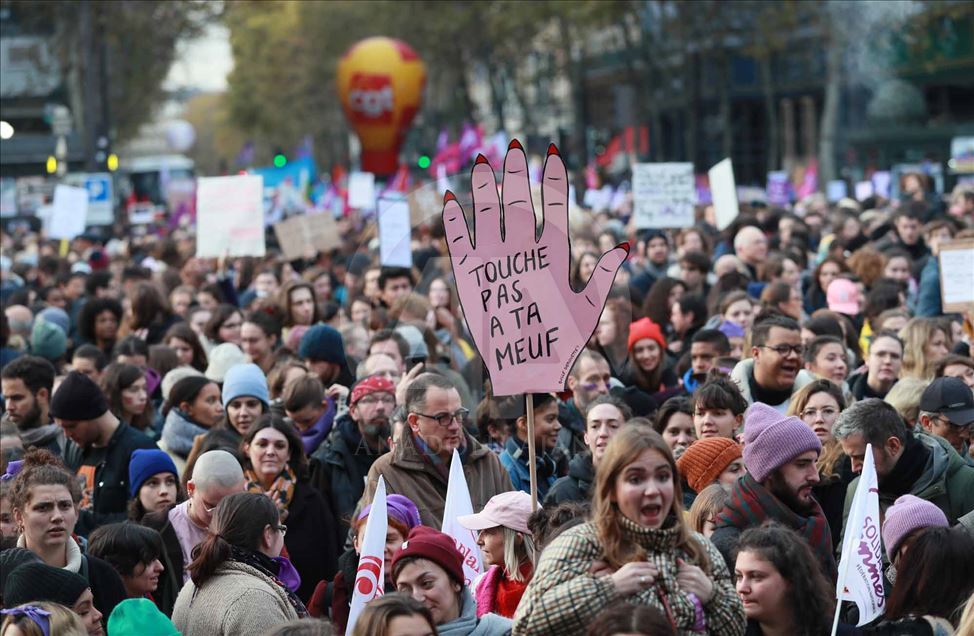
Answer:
[(553, 150), (624, 245), (514, 144), (448, 197), (481, 159)]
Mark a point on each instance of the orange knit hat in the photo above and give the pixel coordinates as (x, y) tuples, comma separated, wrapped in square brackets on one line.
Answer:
[(645, 328), (703, 462)]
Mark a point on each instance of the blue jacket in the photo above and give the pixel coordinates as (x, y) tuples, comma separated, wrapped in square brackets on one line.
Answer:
[(515, 460), (928, 297)]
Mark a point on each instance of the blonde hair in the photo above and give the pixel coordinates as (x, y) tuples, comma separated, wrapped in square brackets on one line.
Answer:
[(832, 453), (966, 625), (915, 334), (905, 398), (518, 549), (709, 502), (63, 621), (625, 448)]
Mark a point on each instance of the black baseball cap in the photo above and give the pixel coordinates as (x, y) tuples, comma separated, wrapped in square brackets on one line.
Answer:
[(951, 398)]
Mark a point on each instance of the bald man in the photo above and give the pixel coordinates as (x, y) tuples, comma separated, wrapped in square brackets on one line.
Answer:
[(21, 320), (751, 246)]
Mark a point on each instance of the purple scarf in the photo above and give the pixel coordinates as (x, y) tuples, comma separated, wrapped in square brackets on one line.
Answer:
[(313, 437)]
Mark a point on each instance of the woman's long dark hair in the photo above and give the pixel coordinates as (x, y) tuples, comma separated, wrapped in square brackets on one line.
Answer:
[(239, 521), (184, 332), (116, 378), (655, 306), (221, 314), (149, 307), (934, 576), (298, 462), (810, 595)]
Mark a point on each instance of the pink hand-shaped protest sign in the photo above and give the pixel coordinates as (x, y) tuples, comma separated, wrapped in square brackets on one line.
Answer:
[(526, 320)]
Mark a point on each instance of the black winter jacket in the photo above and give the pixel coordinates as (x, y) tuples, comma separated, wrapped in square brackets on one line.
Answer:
[(576, 485)]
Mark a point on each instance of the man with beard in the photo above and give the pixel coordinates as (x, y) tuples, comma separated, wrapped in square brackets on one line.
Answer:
[(925, 466), (359, 437), (774, 372), (779, 454), (27, 385)]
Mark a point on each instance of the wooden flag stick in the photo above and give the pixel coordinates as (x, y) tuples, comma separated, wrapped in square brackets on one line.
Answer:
[(532, 452)]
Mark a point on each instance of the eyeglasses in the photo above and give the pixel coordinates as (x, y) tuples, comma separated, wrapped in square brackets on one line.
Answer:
[(784, 350), (445, 419), (826, 413), (370, 400), (281, 528)]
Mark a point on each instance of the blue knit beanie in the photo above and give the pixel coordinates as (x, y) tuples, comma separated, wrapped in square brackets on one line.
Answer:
[(145, 463), (322, 343), (245, 380), (47, 340)]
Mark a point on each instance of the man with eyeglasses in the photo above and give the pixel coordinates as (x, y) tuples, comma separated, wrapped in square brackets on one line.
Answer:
[(774, 371), (419, 466), (947, 411), (342, 462), (216, 475)]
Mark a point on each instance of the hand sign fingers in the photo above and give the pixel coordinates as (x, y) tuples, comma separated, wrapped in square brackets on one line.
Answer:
[(554, 198), (455, 227), (597, 289), (486, 208), (519, 222)]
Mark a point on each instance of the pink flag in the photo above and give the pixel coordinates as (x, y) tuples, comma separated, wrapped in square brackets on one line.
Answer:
[(370, 578)]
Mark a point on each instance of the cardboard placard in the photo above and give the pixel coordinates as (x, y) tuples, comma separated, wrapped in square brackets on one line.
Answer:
[(663, 195), (425, 204), (361, 190), (304, 233), (724, 193), (957, 276), (395, 246), (69, 212), (230, 216)]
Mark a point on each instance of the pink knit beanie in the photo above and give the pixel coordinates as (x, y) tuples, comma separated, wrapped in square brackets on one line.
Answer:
[(909, 513), (772, 440)]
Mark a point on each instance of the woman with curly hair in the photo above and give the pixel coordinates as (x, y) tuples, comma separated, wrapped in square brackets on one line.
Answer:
[(98, 323), (781, 584), (638, 548), (926, 341)]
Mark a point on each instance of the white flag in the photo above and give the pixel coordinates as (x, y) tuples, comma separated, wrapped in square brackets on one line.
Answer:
[(458, 504), (861, 565), (370, 578)]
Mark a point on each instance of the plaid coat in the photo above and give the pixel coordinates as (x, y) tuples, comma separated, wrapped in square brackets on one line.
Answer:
[(563, 598)]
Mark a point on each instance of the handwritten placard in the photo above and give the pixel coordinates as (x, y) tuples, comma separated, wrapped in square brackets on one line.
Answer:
[(778, 187), (663, 195), (303, 234), (836, 190), (361, 190), (957, 275), (724, 193), (230, 216)]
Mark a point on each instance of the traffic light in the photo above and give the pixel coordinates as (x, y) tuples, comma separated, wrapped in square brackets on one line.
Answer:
[(112, 162), (423, 162), (51, 165), (280, 160)]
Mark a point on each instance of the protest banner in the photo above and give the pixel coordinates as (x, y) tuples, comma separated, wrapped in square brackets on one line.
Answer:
[(663, 195), (305, 233), (370, 576), (230, 216), (395, 245), (361, 190), (957, 275), (836, 190), (724, 193), (864, 190), (881, 183), (778, 188), (69, 212), (861, 565), (458, 504)]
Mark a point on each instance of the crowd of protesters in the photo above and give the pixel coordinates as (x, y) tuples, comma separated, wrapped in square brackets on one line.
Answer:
[(193, 445)]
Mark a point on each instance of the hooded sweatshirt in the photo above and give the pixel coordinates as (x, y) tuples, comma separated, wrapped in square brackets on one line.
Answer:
[(467, 624)]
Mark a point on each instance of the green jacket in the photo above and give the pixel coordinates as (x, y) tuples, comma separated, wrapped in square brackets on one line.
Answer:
[(947, 482)]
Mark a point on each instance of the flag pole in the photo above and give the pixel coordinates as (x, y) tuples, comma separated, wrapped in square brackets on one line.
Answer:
[(532, 452), (835, 621)]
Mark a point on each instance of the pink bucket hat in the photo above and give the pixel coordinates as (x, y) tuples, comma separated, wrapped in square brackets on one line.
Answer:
[(843, 296), (508, 509)]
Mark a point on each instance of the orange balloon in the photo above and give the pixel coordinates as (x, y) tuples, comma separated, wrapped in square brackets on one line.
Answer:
[(380, 82)]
